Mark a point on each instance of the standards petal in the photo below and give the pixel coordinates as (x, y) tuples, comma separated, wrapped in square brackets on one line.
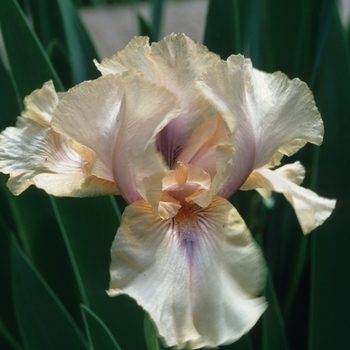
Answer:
[(273, 114), (176, 62), (200, 148), (198, 275), (119, 117), (33, 153), (311, 210)]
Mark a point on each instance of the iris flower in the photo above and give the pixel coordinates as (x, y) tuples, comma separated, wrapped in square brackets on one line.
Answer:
[(176, 131)]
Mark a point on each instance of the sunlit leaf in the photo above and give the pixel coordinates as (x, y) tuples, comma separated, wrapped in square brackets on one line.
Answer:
[(151, 338)]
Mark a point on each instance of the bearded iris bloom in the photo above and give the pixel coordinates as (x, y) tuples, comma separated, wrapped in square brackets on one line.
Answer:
[(176, 131)]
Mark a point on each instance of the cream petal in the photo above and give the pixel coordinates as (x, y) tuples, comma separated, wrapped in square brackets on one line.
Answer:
[(134, 56), (40, 104), (185, 183), (224, 153), (34, 154), (186, 175), (311, 210), (201, 146), (198, 275), (273, 114), (119, 117), (175, 62)]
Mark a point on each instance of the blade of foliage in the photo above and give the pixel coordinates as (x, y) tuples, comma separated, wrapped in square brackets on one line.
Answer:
[(145, 29), (7, 339), (151, 338), (290, 36), (34, 220), (80, 48), (9, 102), (330, 304), (274, 336), (250, 17), (58, 20), (89, 226), (100, 337), (157, 12), (44, 322), (222, 31), (8, 325), (291, 43), (9, 109), (244, 343), (234, 27), (326, 16), (70, 252), (47, 21), (60, 61), (29, 63)]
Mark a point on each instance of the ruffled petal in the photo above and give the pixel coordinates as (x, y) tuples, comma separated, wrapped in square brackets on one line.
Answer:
[(41, 103), (311, 210), (33, 153), (175, 62), (273, 114), (198, 275), (118, 117)]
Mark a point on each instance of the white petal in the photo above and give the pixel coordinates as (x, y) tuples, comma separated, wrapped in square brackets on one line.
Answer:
[(119, 117), (40, 104), (198, 275), (133, 56), (33, 153), (273, 114), (311, 210), (175, 62)]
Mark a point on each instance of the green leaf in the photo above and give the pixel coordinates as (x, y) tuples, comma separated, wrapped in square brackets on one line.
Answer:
[(10, 339), (44, 321), (29, 63), (151, 338), (157, 12), (330, 285), (60, 61), (145, 29), (58, 20), (80, 48), (244, 343), (222, 31), (8, 323), (89, 226), (274, 334), (100, 337), (9, 101)]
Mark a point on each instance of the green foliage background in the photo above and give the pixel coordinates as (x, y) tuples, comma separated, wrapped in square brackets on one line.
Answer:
[(54, 258)]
